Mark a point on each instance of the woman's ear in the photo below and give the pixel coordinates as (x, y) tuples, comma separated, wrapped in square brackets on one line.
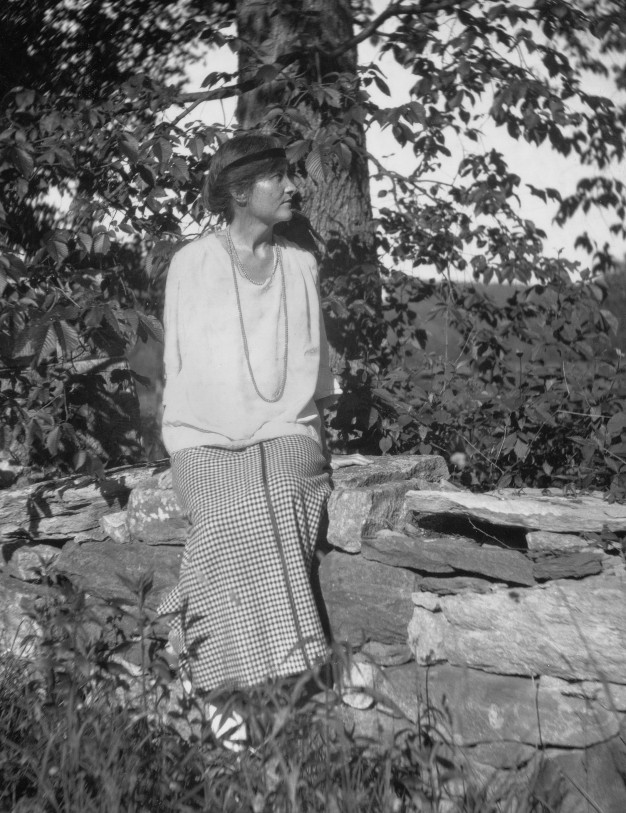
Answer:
[(240, 196)]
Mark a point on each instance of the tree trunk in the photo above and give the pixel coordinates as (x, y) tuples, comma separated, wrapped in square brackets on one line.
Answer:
[(272, 30), (317, 90)]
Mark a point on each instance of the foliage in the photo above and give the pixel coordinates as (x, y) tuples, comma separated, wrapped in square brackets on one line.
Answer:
[(101, 169), (70, 272), (81, 729), (615, 282), (534, 395)]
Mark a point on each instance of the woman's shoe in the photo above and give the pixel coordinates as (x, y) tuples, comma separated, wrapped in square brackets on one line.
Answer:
[(356, 685), (228, 728)]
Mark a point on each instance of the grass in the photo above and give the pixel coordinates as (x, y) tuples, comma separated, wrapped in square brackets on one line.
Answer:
[(82, 730)]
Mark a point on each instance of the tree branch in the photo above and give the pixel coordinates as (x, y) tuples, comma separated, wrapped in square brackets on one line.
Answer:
[(217, 93), (393, 10)]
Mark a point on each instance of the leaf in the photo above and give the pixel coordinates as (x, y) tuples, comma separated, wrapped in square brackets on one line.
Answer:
[(23, 161), (24, 98), (68, 337), (129, 146), (344, 154), (538, 193), (554, 194), (521, 449), (38, 341), (267, 73), (196, 147), (162, 150), (52, 441), (146, 174), (101, 243), (80, 459), (296, 115), (152, 326), (616, 424), (31, 339), (111, 319), (86, 240), (381, 85), (131, 317), (179, 168), (47, 343), (385, 444), (337, 306), (332, 96), (298, 149), (21, 188), (92, 443), (315, 166), (58, 249)]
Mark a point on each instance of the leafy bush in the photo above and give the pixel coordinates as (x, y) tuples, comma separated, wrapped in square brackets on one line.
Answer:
[(101, 171)]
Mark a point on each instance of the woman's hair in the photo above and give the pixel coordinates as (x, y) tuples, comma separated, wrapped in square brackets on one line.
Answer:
[(234, 169)]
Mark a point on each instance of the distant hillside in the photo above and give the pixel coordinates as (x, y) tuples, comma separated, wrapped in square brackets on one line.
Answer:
[(443, 339)]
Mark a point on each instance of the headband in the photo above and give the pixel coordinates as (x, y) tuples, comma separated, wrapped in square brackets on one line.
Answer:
[(272, 152)]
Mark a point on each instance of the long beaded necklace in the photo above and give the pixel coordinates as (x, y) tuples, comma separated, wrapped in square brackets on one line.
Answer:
[(233, 253), (235, 263)]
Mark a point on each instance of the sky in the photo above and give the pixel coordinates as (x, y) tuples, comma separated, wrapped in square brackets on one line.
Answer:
[(539, 166)]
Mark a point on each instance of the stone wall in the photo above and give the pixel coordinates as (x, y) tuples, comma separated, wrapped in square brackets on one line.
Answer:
[(497, 620), (487, 619)]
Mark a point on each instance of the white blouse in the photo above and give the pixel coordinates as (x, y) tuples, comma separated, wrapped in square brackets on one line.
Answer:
[(209, 397)]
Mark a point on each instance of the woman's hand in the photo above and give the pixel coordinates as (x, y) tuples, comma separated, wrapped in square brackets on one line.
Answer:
[(339, 461)]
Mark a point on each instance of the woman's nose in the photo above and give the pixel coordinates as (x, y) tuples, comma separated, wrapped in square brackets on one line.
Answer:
[(290, 187)]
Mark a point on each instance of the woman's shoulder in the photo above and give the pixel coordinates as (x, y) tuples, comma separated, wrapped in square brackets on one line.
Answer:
[(296, 253), (193, 253), (196, 247)]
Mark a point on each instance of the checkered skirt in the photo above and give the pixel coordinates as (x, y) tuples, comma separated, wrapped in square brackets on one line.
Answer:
[(244, 604)]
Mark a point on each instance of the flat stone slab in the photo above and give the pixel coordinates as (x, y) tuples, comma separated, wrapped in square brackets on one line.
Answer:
[(475, 707), (392, 469), (552, 542), (447, 555), (17, 627), (568, 566), (611, 696), (447, 586), (357, 512), (366, 600), (563, 514), (59, 510), (591, 779), (104, 569), (155, 516), (368, 498), (387, 654), (115, 526), (28, 562), (574, 630)]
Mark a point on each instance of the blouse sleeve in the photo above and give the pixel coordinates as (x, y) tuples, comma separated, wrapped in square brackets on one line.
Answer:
[(171, 351), (327, 387)]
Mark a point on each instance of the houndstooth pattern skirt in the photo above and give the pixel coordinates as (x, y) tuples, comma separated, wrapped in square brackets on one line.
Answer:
[(245, 609)]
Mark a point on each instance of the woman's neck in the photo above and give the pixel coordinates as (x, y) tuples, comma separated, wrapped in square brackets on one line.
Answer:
[(254, 236)]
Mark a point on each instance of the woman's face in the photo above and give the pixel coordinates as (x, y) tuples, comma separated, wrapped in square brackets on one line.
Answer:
[(269, 199)]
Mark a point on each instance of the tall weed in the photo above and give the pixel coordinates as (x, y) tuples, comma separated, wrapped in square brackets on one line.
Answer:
[(95, 722)]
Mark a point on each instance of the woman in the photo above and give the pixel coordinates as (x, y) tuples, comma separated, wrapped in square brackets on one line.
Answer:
[(247, 379)]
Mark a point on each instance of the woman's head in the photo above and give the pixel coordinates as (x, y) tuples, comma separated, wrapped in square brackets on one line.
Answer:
[(235, 168)]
